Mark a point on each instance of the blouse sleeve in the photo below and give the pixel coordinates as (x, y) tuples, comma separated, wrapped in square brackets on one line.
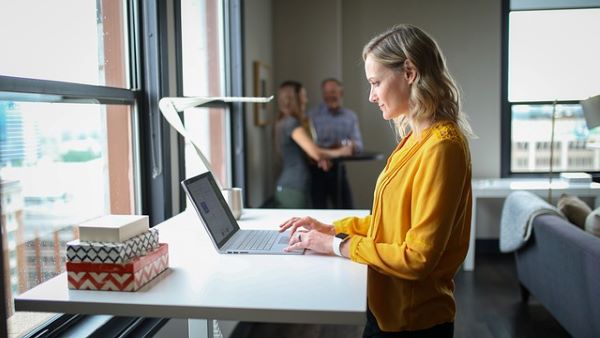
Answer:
[(353, 225)]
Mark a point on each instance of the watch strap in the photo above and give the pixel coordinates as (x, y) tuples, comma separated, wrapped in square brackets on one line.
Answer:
[(335, 245), (338, 239)]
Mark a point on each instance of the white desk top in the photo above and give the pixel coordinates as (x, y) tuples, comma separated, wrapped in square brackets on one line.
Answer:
[(501, 187), (203, 284)]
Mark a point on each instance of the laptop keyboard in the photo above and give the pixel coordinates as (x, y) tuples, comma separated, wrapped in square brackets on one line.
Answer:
[(258, 240)]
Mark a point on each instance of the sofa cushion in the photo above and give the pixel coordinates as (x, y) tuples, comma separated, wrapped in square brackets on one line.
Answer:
[(592, 222), (574, 208)]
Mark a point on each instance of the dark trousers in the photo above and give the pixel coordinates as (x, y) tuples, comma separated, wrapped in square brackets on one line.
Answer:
[(372, 330), (325, 186)]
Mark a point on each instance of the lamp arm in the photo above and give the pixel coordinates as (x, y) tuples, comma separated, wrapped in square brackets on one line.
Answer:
[(170, 106), (169, 112), (183, 103)]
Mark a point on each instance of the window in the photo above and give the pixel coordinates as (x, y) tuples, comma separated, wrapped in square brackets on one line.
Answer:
[(550, 56), (76, 106), (203, 75), (67, 133), (88, 49)]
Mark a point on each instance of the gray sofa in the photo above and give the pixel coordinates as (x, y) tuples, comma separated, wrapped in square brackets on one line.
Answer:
[(560, 267)]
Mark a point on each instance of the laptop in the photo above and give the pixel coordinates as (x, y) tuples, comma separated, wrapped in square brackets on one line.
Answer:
[(223, 229)]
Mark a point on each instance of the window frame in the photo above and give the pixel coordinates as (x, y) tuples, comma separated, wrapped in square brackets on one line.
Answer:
[(233, 86), (234, 46), (3, 322), (148, 22), (506, 105), (38, 90)]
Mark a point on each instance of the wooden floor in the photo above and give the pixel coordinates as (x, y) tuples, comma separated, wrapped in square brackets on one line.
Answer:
[(488, 305)]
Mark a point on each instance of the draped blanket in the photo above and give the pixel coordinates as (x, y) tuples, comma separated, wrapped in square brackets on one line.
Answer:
[(519, 210)]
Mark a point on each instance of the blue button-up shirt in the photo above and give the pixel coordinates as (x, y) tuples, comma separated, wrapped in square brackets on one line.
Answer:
[(333, 127)]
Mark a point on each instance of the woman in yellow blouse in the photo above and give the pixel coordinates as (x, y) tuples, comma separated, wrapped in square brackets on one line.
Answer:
[(418, 233)]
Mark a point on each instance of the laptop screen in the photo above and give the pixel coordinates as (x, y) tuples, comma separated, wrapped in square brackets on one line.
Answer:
[(210, 204)]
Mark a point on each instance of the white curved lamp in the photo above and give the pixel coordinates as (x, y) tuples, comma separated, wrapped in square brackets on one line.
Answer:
[(170, 106)]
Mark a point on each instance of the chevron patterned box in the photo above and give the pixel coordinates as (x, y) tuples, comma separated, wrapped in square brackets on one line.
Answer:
[(112, 252), (118, 277)]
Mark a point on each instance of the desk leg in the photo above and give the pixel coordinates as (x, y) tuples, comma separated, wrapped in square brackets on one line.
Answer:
[(339, 186), (200, 328), (469, 264)]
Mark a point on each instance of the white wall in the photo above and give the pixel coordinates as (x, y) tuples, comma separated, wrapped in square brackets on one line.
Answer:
[(469, 34), (314, 39), (307, 43)]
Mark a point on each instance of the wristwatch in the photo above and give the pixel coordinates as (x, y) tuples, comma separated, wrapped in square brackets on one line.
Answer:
[(338, 239)]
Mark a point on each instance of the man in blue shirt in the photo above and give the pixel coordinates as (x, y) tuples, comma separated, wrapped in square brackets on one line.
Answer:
[(333, 126)]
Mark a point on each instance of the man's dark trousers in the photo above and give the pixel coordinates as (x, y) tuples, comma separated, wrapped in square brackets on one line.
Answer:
[(324, 188)]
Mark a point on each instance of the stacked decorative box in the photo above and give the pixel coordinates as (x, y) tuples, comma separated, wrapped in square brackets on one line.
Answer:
[(115, 253)]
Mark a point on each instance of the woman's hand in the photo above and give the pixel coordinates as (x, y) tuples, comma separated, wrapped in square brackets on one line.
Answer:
[(307, 223), (347, 149), (313, 240), (325, 165)]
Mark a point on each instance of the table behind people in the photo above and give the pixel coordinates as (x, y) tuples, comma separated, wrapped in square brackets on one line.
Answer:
[(365, 155), (333, 125)]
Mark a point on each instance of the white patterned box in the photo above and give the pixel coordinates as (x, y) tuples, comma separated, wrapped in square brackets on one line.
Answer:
[(118, 277), (112, 252)]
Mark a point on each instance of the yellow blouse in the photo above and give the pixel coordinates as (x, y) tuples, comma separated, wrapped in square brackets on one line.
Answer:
[(418, 234)]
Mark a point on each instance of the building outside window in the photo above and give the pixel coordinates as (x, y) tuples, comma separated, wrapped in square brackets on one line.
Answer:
[(552, 56)]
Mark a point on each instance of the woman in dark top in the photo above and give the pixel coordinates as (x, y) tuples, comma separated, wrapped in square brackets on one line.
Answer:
[(293, 144)]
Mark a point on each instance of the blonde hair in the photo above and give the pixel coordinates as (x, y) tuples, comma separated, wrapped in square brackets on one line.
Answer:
[(288, 100), (434, 95)]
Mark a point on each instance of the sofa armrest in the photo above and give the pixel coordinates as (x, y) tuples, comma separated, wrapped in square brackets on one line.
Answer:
[(560, 266)]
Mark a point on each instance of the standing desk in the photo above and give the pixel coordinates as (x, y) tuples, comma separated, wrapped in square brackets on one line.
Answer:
[(202, 284)]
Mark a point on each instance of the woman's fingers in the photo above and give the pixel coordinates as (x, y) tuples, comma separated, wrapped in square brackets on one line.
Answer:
[(294, 223), (307, 223), (287, 224), (296, 237), (312, 240), (298, 241)]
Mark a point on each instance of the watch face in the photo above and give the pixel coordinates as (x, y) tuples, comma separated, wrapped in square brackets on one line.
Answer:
[(341, 235)]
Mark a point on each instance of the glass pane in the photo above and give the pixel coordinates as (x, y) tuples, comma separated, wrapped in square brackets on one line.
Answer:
[(65, 40), (574, 145), (208, 126), (57, 170), (202, 48), (203, 75), (553, 55)]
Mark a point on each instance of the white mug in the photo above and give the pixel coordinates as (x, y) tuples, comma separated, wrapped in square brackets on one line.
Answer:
[(233, 197)]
